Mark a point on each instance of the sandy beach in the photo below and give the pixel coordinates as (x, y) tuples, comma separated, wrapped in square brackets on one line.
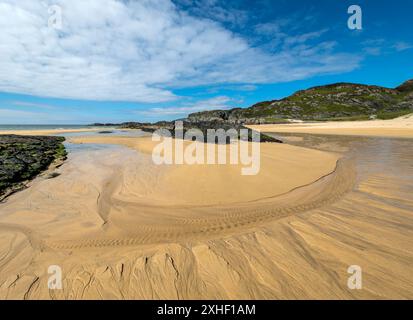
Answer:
[(399, 128), (122, 227), (283, 167), (182, 152)]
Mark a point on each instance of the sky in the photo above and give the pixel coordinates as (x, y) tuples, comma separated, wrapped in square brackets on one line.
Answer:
[(87, 61)]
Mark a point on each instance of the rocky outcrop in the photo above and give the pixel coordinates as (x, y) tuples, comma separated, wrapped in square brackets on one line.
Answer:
[(220, 132), (406, 87), (23, 157), (340, 101), (199, 126), (148, 127)]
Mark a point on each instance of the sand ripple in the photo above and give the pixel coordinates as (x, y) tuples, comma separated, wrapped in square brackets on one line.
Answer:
[(114, 242)]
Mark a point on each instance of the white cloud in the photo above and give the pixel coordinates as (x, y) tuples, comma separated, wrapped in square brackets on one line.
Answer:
[(269, 28), (378, 47), (245, 87), (13, 116), (302, 38), (33, 105), (11, 113), (139, 51), (216, 103), (401, 46), (216, 10), (374, 51)]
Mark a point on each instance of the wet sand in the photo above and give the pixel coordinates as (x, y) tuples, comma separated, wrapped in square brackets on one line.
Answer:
[(282, 168), (118, 232)]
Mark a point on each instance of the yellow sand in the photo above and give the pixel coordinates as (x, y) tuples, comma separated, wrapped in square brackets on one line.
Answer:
[(122, 228), (399, 128), (282, 168)]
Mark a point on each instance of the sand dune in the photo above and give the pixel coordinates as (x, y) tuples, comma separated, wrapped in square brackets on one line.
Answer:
[(121, 228)]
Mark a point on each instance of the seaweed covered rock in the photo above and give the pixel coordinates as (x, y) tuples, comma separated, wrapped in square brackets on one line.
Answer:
[(23, 157), (219, 131), (205, 127)]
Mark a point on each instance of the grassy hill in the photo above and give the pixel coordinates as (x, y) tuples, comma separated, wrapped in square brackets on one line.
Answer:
[(340, 101)]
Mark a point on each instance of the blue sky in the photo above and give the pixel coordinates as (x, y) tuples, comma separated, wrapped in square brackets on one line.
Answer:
[(115, 61)]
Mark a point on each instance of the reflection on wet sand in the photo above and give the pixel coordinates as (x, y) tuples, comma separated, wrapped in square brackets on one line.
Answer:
[(294, 245)]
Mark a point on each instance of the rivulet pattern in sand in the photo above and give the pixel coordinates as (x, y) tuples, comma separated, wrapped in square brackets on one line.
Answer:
[(121, 227)]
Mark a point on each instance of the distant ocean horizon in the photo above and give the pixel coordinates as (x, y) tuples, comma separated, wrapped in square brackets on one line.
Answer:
[(42, 126)]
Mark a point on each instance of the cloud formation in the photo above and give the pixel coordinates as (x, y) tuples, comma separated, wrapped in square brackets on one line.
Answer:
[(141, 51), (216, 103), (376, 47), (33, 105), (402, 45)]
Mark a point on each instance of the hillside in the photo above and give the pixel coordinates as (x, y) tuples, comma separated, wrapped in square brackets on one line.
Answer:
[(340, 101)]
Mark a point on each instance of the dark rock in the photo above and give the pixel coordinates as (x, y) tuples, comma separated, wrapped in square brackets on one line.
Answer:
[(406, 86), (206, 126), (168, 128), (23, 157), (148, 127), (103, 124)]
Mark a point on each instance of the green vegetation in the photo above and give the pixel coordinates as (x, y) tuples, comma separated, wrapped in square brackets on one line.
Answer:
[(393, 115), (336, 102), (60, 152), (353, 118), (277, 120)]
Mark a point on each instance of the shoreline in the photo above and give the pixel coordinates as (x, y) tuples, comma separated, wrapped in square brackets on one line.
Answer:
[(47, 132), (397, 128)]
